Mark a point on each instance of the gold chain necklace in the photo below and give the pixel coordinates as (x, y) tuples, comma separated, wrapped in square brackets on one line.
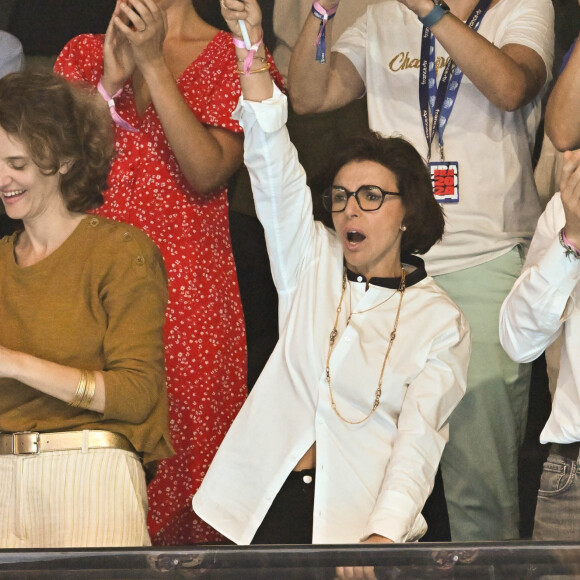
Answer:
[(334, 333)]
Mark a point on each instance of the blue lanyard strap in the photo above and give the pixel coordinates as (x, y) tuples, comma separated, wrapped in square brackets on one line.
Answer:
[(439, 100)]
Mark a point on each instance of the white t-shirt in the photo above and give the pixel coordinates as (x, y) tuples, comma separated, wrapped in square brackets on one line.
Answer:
[(498, 206), (370, 478)]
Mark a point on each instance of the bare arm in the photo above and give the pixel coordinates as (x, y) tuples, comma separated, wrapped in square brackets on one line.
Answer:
[(509, 77), (563, 109), (207, 156), (315, 87)]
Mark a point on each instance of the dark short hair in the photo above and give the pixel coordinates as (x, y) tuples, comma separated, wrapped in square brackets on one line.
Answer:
[(58, 122), (424, 217)]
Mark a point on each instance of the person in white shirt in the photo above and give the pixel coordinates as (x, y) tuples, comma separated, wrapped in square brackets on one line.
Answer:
[(340, 438), (463, 82), (542, 307), (11, 55)]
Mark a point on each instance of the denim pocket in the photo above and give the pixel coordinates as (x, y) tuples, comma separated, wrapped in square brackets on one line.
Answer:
[(557, 477)]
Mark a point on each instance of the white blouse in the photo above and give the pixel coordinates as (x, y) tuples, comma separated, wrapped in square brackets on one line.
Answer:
[(543, 304), (372, 478)]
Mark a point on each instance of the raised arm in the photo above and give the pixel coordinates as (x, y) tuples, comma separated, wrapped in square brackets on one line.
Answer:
[(563, 108), (510, 76), (207, 156), (283, 200), (314, 86), (532, 315)]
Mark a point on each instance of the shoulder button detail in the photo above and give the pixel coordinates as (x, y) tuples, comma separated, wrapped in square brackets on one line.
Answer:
[(127, 237), (94, 222), (140, 260)]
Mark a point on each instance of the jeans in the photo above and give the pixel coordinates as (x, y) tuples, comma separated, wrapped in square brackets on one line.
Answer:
[(558, 506)]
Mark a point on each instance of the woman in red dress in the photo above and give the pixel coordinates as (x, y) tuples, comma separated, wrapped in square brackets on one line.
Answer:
[(172, 84)]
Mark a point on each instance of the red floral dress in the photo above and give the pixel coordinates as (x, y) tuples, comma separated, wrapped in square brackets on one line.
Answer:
[(205, 335)]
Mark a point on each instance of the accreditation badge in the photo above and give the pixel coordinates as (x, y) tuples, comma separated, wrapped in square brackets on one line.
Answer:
[(445, 180)]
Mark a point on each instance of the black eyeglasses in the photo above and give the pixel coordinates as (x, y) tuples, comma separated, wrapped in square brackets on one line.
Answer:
[(368, 197)]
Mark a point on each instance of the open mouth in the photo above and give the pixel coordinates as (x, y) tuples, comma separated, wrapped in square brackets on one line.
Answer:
[(355, 237)]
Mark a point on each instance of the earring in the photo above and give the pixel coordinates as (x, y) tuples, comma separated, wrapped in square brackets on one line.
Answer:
[(403, 228)]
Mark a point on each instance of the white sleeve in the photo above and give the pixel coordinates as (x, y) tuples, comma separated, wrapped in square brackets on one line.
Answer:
[(531, 25), (422, 433), (532, 315), (353, 44), (283, 200)]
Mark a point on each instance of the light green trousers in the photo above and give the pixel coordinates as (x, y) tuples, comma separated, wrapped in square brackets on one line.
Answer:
[(480, 462)]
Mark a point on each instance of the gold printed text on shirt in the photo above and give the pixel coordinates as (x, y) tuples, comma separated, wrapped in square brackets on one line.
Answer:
[(403, 61)]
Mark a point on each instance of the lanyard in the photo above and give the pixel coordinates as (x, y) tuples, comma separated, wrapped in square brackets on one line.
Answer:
[(439, 100)]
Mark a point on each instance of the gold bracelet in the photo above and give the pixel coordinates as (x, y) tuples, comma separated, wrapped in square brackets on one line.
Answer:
[(258, 70), (81, 389), (256, 57), (90, 391)]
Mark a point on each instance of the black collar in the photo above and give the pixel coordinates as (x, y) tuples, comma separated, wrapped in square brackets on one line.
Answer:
[(411, 278)]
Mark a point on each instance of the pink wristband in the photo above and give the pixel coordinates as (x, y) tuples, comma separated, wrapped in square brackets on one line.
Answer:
[(251, 52), (569, 243), (119, 121), (324, 16)]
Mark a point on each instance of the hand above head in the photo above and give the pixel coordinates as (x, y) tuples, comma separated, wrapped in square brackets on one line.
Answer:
[(143, 24), (117, 55), (247, 10), (570, 192)]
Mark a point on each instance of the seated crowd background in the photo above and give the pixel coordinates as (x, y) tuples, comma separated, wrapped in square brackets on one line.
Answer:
[(178, 145)]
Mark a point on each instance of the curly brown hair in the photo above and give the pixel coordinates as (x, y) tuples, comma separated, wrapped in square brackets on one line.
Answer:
[(58, 122)]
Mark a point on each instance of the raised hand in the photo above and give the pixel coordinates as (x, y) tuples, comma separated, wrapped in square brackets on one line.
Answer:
[(246, 10), (143, 24), (118, 59)]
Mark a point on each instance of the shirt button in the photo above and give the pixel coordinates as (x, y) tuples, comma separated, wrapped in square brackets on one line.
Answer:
[(307, 479), (94, 222), (140, 260), (127, 237), (359, 279)]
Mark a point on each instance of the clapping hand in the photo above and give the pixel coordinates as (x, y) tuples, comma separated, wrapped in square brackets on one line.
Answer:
[(117, 55), (143, 25)]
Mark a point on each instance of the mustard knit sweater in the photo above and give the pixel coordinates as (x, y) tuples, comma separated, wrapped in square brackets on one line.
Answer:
[(97, 302)]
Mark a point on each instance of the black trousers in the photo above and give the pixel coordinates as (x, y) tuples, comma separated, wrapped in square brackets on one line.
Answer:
[(289, 519)]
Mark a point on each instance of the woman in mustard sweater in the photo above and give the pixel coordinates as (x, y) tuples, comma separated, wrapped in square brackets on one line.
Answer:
[(82, 303)]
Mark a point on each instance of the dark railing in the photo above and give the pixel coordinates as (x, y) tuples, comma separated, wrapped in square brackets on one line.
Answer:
[(474, 561)]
